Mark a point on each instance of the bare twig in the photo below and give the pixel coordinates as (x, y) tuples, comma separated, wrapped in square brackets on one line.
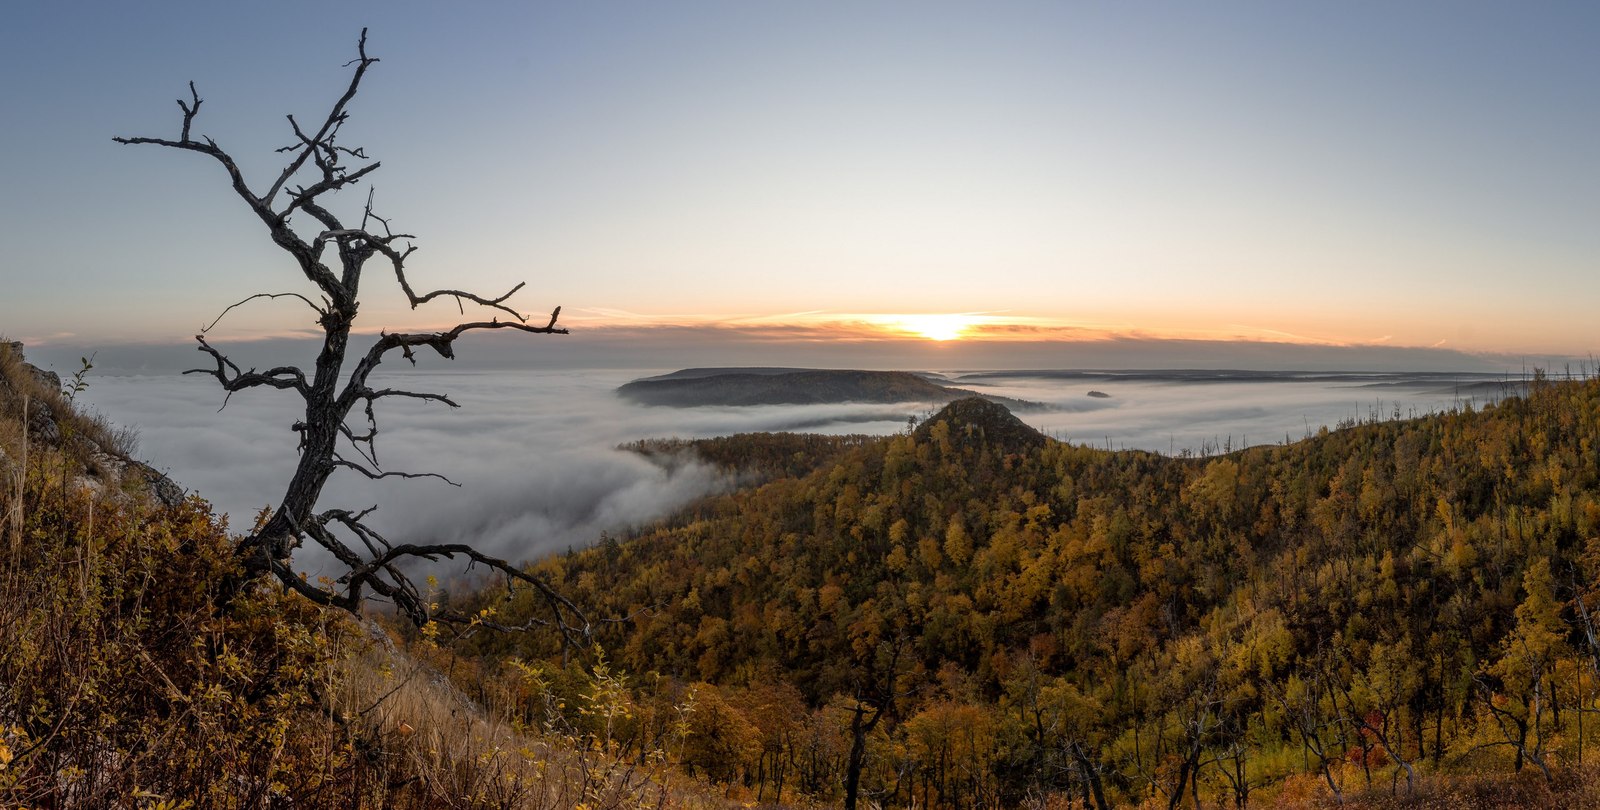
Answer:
[(375, 475), (208, 327)]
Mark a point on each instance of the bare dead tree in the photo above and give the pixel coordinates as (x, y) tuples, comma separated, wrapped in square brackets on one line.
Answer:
[(332, 256)]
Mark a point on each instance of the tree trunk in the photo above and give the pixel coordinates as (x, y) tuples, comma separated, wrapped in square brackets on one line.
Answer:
[(1184, 772), (292, 208), (319, 437), (1091, 779), (858, 755)]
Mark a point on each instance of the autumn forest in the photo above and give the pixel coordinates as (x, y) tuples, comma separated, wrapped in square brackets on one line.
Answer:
[(422, 519), (967, 615), (972, 615)]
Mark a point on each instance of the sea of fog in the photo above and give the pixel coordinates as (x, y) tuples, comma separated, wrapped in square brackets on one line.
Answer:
[(536, 453)]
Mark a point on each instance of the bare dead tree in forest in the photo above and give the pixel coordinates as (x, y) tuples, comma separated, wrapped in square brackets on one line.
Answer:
[(332, 254)]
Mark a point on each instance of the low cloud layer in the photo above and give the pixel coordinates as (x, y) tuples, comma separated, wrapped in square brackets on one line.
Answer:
[(536, 453), (1175, 413)]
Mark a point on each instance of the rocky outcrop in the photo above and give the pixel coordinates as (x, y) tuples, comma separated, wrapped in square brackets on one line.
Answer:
[(51, 422), (19, 390), (49, 379)]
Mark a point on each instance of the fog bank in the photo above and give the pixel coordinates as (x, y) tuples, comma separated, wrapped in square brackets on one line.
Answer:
[(535, 452)]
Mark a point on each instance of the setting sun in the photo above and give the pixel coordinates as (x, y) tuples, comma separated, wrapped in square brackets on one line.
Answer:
[(935, 327)]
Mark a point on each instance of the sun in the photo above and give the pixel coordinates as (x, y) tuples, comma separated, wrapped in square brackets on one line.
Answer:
[(936, 327)]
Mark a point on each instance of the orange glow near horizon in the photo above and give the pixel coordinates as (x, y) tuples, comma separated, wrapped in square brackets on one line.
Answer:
[(934, 327), (828, 326)]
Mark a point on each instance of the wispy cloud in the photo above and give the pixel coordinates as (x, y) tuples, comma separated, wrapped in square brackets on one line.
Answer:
[(46, 339), (833, 326), (914, 327)]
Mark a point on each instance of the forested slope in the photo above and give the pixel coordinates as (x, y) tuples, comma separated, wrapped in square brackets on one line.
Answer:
[(973, 614)]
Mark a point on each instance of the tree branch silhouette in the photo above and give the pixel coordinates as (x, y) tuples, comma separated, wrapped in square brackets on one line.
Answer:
[(318, 168)]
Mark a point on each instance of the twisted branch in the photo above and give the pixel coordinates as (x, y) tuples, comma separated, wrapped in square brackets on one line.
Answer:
[(233, 379)]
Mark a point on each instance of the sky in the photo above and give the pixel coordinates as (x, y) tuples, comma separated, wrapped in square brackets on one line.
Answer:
[(1063, 184)]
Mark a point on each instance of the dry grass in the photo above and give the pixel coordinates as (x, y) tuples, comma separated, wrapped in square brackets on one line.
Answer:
[(1571, 790), (453, 753)]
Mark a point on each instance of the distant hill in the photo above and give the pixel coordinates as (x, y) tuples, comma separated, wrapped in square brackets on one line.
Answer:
[(783, 386), (755, 457), (718, 371), (760, 457), (977, 420)]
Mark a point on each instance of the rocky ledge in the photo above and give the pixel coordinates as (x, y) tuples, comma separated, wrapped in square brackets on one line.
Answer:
[(50, 421)]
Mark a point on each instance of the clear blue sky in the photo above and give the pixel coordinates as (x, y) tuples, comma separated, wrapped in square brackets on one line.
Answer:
[(1414, 174)]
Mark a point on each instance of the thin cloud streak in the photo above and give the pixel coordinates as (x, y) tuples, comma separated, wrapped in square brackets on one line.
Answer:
[(667, 347), (824, 325)]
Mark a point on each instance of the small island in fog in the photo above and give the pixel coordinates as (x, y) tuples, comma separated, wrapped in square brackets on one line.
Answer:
[(797, 386)]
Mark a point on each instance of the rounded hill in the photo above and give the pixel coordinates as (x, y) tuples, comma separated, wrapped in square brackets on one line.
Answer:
[(980, 421)]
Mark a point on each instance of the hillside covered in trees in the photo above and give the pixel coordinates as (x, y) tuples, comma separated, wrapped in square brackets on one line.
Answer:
[(968, 614), (972, 615)]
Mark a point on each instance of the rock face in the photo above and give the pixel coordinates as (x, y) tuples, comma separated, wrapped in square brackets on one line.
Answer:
[(43, 424), (980, 421), (49, 379)]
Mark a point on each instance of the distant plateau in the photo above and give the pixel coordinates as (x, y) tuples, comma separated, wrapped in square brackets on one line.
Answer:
[(696, 387)]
